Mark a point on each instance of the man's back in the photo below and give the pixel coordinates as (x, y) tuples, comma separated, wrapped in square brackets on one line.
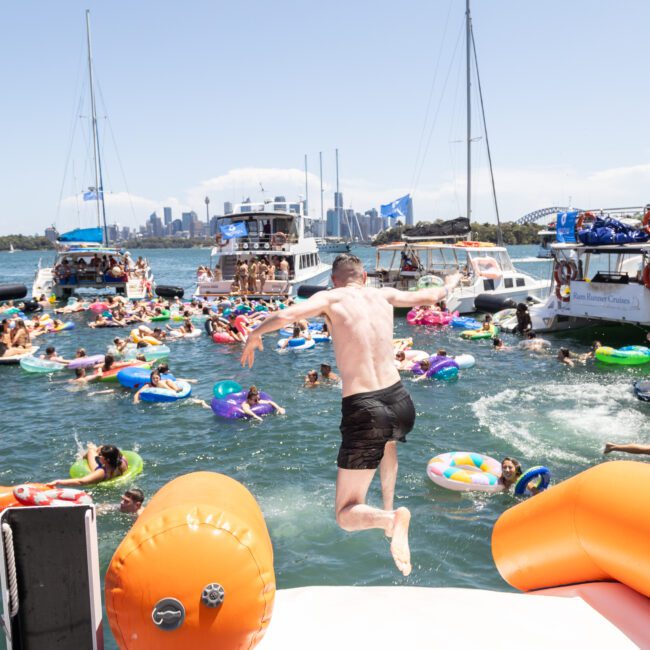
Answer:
[(362, 330)]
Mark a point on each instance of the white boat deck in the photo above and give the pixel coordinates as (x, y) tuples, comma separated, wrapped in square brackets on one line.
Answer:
[(417, 618)]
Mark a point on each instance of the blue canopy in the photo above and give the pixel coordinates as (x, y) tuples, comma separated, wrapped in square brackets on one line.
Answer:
[(85, 235)]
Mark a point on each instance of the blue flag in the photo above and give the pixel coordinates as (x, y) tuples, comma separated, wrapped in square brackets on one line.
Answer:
[(397, 208), (93, 195), (233, 230), (565, 227)]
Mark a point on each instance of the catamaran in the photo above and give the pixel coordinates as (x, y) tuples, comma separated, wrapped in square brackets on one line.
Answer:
[(84, 261)]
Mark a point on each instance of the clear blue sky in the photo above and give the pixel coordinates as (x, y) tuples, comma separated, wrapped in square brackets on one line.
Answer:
[(212, 97)]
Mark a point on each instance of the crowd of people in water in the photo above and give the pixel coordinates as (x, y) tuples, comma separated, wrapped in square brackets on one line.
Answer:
[(162, 320)]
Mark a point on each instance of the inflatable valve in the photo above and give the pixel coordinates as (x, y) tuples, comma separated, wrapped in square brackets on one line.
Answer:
[(168, 614), (213, 595)]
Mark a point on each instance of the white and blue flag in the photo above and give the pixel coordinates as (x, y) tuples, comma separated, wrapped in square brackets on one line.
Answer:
[(93, 195), (396, 208), (233, 230), (565, 227)]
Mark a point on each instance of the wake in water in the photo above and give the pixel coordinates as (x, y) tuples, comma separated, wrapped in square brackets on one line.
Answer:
[(555, 420)]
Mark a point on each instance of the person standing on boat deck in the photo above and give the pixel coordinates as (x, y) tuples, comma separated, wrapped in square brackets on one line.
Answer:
[(376, 410), (284, 269)]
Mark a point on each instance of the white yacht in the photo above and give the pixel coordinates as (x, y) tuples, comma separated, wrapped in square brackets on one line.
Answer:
[(271, 230), (332, 245), (89, 267), (595, 284), (546, 238), (487, 271)]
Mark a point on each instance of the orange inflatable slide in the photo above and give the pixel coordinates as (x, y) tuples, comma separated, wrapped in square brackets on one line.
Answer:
[(592, 528), (195, 571)]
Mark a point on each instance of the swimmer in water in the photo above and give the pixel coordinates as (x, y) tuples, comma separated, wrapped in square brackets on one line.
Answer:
[(564, 357), (628, 449), (511, 472), (132, 502), (326, 373), (311, 379)]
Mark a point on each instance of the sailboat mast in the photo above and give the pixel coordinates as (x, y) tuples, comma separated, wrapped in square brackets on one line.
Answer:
[(99, 186), (306, 188), (468, 32), (322, 223)]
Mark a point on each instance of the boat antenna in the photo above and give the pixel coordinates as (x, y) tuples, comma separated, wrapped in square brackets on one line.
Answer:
[(337, 198), (306, 206), (99, 184), (322, 223), (487, 144)]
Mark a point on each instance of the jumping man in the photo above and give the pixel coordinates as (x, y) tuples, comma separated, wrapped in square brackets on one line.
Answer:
[(376, 411)]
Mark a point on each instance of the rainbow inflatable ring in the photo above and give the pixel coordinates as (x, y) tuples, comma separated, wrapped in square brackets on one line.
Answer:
[(464, 471)]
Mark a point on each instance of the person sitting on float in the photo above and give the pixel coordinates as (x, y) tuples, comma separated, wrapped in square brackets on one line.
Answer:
[(155, 381), (51, 355), (253, 399), (107, 461), (401, 362), (425, 364), (297, 334)]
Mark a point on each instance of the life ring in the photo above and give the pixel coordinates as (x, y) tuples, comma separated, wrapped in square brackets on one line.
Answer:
[(564, 273), (487, 267), (646, 276), (30, 495), (278, 239), (540, 477)]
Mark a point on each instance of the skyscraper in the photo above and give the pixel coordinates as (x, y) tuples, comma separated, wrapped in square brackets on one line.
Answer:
[(409, 212), (167, 216), (227, 207)]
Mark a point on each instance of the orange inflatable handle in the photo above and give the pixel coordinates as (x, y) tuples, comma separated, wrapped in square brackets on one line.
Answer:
[(195, 571), (594, 526)]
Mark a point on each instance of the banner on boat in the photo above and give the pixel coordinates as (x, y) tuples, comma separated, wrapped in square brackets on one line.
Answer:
[(233, 230), (565, 227), (397, 208), (609, 301)]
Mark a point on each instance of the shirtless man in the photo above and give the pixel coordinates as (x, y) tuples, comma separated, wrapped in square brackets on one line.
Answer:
[(377, 411)]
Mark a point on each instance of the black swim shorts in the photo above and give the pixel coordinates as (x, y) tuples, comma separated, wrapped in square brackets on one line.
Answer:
[(370, 420)]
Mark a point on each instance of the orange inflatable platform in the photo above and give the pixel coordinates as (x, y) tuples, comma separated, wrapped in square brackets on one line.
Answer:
[(195, 571), (592, 527)]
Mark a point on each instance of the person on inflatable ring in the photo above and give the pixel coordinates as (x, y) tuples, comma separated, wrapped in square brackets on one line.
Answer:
[(510, 473), (297, 334), (252, 399), (156, 382), (107, 461)]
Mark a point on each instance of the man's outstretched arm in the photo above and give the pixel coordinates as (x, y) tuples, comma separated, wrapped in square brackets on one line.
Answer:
[(430, 296), (315, 306)]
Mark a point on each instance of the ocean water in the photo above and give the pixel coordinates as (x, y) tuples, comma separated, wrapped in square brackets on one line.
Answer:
[(511, 403)]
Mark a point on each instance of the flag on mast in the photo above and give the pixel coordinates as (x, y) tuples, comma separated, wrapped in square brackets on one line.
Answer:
[(396, 208)]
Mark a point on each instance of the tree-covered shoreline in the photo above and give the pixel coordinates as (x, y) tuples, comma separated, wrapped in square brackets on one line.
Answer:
[(36, 243), (513, 233)]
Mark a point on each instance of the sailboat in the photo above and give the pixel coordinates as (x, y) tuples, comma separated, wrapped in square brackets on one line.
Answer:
[(334, 244), (12, 249), (84, 260), (489, 276)]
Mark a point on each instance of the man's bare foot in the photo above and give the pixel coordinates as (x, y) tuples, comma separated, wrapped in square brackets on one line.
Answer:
[(400, 545), (609, 446)]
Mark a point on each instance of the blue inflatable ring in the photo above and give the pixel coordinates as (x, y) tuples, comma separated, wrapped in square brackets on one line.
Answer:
[(541, 472)]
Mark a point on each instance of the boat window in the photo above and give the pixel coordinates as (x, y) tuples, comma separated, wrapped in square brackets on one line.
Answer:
[(488, 285), (521, 282), (508, 283)]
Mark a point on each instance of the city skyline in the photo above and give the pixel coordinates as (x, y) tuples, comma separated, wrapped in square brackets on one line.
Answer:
[(186, 112)]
